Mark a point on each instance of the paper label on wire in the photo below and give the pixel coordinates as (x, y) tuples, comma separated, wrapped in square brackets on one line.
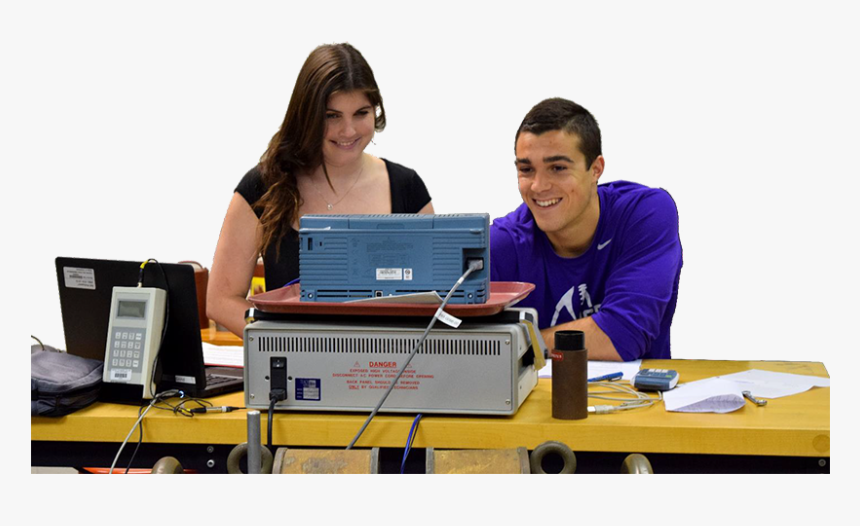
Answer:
[(447, 319)]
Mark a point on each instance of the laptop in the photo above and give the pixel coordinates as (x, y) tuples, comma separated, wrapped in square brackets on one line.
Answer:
[(86, 286)]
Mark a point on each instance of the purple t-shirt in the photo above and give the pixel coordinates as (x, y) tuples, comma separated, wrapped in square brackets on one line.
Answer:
[(627, 280)]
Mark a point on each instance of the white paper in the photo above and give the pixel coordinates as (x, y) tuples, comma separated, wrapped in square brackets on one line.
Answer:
[(430, 298), (224, 355), (769, 384), (599, 368), (628, 369), (711, 395)]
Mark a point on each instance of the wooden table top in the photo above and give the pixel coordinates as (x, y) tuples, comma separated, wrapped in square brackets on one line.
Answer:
[(797, 425)]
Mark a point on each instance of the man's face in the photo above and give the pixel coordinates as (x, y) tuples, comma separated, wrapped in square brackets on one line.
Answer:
[(557, 186)]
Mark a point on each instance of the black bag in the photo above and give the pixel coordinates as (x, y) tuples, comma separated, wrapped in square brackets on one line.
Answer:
[(62, 383)]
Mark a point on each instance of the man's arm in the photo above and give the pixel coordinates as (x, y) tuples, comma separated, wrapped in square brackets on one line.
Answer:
[(599, 345), (641, 281)]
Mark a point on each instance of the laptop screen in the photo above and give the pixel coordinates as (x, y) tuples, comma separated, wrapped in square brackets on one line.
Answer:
[(86, 286)]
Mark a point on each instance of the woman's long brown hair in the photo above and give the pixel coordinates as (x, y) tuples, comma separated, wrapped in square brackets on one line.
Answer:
[(297, 146)]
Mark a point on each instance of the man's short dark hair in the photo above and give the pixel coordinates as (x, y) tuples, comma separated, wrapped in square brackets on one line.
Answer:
[(562, 114)]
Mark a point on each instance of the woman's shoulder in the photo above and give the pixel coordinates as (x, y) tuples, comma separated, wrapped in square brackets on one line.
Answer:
[(251, 183), (399, 173), (251, 186), (252, 178), (409, 194)]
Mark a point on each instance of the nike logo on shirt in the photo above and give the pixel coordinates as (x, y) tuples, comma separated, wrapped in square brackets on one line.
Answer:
[(601, 246)]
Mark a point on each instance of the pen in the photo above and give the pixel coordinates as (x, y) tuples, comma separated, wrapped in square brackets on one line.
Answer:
[(606, 377), (218, 409)]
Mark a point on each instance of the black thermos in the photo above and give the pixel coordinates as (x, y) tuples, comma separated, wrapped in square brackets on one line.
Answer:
[(569, 376)]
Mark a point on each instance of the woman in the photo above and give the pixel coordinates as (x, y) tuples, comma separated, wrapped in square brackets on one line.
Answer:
[(315, 164)]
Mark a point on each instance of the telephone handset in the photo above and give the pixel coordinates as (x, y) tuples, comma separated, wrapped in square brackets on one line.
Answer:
[(134, 336)]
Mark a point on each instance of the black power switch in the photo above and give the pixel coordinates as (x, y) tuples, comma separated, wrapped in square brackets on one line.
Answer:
[(278, 375)]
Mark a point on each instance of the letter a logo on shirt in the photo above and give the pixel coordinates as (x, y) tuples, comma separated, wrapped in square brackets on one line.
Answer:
[(566, 303)]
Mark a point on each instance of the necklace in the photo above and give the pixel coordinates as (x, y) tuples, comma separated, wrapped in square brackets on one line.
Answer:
[(330, 206)]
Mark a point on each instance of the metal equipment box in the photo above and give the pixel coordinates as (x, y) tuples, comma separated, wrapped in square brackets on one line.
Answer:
[(347, 365), (350, 257)]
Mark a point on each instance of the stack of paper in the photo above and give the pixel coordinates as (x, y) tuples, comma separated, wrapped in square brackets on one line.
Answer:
[(712, 395), (723, 394)]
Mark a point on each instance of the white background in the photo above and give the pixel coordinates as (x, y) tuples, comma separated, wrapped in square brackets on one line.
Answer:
[(129, 125)]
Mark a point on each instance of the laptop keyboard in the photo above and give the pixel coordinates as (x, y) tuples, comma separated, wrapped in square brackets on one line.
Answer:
[(213, 380)]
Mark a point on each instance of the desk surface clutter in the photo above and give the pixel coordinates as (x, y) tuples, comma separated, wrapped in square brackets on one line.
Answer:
[(797, 425)]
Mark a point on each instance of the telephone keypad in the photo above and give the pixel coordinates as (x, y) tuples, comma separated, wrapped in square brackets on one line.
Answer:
[(126, 349)]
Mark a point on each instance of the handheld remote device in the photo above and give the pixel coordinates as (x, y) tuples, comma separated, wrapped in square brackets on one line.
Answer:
[(134, 335), (655, 379)]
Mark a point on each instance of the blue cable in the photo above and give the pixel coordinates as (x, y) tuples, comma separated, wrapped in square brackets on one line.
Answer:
[(409, 443)]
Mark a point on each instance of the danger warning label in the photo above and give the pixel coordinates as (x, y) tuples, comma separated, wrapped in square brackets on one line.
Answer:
[(379, 375)]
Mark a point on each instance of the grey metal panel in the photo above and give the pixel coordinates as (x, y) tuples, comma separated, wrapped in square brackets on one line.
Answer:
[(470, 370)]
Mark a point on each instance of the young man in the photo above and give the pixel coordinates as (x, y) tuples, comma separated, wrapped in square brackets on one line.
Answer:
[(604, 259)]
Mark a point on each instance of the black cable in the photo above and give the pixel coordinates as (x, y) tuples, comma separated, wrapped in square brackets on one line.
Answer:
[(175, 409), (166, 312), (180, 408), (141, 414), (157, 354), (139, 442), (158, 400), (271, 414)]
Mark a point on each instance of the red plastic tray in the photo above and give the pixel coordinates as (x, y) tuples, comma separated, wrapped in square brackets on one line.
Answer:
[(503, 294)]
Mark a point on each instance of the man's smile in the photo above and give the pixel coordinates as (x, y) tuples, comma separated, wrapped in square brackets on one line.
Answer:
[(547, 203)]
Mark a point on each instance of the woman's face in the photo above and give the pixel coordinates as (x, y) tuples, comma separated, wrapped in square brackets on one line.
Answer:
[(350, 122)]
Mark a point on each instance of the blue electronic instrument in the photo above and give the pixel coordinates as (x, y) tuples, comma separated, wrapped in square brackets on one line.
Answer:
[(351, 257)]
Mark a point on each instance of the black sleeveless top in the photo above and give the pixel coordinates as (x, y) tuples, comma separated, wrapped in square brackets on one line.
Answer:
[(408, 196)]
